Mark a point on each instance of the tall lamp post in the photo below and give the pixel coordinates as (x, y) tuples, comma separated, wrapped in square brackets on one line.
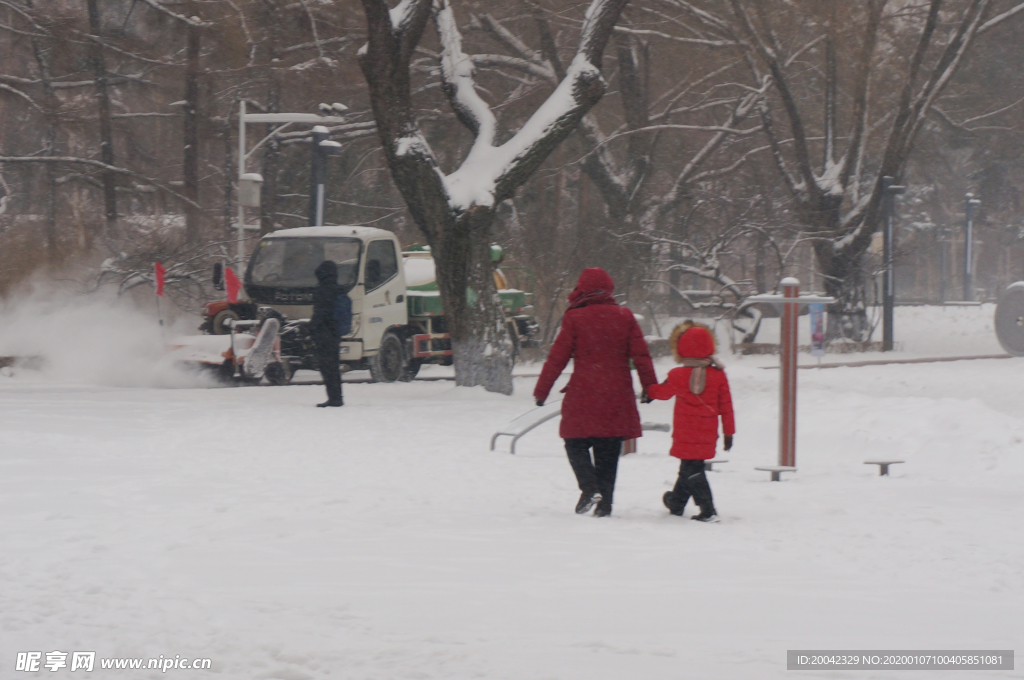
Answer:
[(971, 204), (942, 238), (321, 147), (284, 120), (889, 193)]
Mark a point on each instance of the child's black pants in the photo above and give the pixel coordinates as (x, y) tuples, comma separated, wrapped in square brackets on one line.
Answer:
[(693, 482)]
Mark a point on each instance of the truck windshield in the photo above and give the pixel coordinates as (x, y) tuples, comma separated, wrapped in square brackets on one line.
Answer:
[(292, 261)]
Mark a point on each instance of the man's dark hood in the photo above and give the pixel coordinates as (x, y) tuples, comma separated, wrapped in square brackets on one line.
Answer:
[(327, 273)]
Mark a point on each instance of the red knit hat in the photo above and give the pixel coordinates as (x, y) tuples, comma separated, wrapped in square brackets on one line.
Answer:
[(695, 342)]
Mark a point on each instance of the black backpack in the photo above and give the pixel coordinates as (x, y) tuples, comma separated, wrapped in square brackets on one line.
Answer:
[(343, 314)]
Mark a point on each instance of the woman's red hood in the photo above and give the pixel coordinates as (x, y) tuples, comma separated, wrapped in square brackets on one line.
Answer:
[(594, 279), (594, 286)]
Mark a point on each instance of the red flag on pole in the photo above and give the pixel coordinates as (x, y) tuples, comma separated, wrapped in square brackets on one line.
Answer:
[(160, 272), (231, 284)]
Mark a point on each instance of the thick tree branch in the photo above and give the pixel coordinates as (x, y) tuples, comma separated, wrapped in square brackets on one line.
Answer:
[(457, 79), (769, 54)]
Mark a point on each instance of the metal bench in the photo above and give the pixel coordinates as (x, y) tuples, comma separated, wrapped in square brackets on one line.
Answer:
[(710, 463), (883, 465), (776, 470)]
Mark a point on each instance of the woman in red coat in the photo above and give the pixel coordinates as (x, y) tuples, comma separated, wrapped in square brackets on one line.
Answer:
[(599, 409), (702, 397)]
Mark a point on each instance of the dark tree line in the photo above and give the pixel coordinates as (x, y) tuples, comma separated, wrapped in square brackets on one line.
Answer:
[(714, 145)]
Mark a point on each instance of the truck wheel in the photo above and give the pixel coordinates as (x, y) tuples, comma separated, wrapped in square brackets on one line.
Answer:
[(1010, 319), (219, 324), (410, 370), (390, 362)]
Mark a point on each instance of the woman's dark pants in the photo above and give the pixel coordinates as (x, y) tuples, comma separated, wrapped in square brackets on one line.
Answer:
[(597, 473)]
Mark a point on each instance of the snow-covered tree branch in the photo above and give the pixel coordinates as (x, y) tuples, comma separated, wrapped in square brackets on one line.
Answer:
[(455, 210)]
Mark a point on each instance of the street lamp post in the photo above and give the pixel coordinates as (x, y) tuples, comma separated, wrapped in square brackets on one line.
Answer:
[(971, 203), (942, 238), (321, 147), (284, 120), (889, 193)]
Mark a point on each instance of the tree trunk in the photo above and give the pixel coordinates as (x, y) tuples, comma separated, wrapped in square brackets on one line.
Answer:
[(106, 129), (190, 160), (481, 343), (227, 217), (271, 155), (845, 281), (42, 57)]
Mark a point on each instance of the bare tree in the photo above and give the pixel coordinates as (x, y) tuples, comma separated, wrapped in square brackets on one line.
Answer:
[(99, 68), (455, 211), (833, 162)]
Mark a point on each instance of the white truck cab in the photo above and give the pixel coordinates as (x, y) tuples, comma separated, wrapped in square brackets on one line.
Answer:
[(280, 275)]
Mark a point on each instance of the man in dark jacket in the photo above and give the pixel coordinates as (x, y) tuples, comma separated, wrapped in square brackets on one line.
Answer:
[(324, 331)]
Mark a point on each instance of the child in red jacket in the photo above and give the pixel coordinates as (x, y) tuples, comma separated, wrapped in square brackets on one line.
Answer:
[(702, 396)]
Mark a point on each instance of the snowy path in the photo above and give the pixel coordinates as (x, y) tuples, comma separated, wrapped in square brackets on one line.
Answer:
[(383, 540)]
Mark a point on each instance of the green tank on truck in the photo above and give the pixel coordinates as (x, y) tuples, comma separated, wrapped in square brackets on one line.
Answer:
[(398, 322)]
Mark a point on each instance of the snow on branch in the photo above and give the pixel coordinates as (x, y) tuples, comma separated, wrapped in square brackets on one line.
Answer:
[(491, 173), (195, 22), (22, 95), (477, 180), (996, 20), (598, 23), (704, 42), (402, 14), (457, 77)]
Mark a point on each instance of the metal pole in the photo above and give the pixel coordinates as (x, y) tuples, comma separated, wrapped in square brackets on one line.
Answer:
[(889, 193), (241, 171), (317, 177), (888, 296), (787, 383), (970, 204), (942, 264)]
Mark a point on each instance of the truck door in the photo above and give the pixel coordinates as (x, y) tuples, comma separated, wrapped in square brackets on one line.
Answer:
[(384, 303)]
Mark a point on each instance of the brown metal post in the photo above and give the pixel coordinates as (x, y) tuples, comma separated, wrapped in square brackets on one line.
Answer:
[(787, 382)]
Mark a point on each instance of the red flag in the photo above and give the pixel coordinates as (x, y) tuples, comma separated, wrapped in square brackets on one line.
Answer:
[(160, 272), (231, 284)]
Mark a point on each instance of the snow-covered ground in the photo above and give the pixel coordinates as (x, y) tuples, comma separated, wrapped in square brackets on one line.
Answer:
[(385, 541)]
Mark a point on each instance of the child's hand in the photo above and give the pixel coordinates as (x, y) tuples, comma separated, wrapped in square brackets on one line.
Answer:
[(728, 442)]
